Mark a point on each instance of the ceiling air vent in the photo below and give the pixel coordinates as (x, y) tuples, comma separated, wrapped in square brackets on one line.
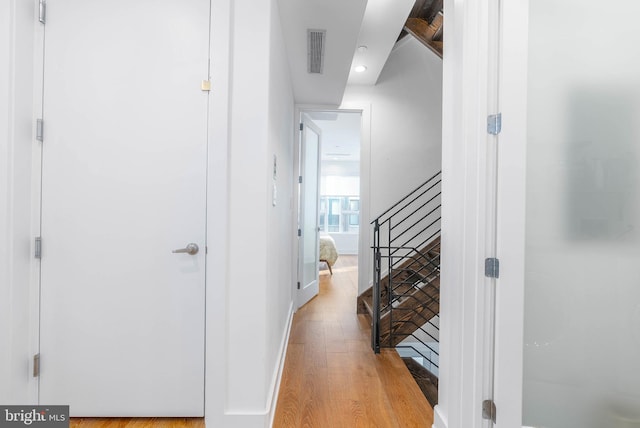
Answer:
[(315, 50)]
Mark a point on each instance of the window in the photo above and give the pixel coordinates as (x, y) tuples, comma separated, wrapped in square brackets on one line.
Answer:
[(339, 214)]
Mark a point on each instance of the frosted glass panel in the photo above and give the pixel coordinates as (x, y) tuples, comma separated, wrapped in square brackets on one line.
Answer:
[(310, 183), (582, 288)]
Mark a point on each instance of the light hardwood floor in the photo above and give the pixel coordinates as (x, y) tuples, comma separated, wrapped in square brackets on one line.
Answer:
[(136, 423), (331, 376)]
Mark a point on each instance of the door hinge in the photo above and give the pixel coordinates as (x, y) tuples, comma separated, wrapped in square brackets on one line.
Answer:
[(489, 410), (492, 268), (42, 13), (300, 179), (301, 126), (298, 285), (36, 365), (39, 130), (299, 232), (494, 123), (38, 248)]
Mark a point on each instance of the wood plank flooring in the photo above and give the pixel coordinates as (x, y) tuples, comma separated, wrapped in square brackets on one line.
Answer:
[(136, 423), (331, 376)]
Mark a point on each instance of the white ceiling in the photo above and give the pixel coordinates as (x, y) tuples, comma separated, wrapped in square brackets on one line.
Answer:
[(348, 26), (340, 135), (341, 19), (383, 21)]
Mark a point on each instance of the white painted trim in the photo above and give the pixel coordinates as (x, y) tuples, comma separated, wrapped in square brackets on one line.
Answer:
[(464, 154), (23, 82), (364, 239), (264, 417), (36, 193), (511, 213), (277, 375), (439, 419), (365, 233), (216, 333)]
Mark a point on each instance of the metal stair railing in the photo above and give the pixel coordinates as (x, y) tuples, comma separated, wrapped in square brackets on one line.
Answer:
[(406, 266)]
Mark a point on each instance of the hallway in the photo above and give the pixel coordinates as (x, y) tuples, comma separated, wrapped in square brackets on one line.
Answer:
[(331, 376)]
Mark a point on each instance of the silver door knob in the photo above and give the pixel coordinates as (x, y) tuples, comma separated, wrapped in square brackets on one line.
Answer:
[(189, 249)]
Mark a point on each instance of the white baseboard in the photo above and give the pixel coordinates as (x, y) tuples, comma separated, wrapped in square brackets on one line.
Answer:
[(439, 420), (277, 375), (262, 417)]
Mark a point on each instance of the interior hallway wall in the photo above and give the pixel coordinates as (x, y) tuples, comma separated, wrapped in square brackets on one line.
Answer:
[(406, 131), (281, 272), (251, 273)]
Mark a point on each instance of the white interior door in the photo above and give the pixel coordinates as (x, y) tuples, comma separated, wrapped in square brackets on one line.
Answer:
[(124, 168), (308, 215), (568, 320)]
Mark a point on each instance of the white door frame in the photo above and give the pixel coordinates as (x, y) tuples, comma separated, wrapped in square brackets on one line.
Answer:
[(19, 193), (464, 362), (511, 217), (364, 244), (464, 314)]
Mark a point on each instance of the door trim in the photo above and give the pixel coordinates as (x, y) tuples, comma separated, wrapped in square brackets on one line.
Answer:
[(364, 240), (511, 212)]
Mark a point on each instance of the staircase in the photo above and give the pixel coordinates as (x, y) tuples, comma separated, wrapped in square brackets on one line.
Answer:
[(425, 23), (404, 301)]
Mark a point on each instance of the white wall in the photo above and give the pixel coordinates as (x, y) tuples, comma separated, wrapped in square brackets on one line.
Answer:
[(406, 130), (17, 18), (281, 272), (247, 206), (339, 185), (250, 273)]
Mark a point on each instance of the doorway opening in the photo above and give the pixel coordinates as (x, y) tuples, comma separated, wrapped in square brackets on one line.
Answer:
[(339, 208), (338, 197)]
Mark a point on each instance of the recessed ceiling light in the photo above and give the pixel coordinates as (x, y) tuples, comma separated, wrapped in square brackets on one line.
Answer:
[(362, 48), (360, 68)]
